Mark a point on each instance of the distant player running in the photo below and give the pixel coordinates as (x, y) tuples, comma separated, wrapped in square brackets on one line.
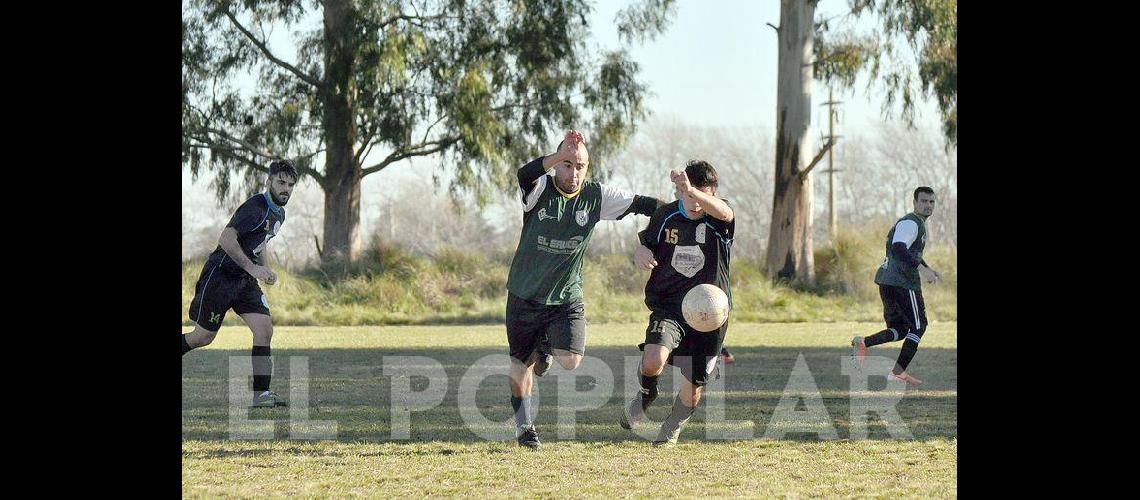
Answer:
[(900, 287), (229, 278), (545, 315), (687, 243)]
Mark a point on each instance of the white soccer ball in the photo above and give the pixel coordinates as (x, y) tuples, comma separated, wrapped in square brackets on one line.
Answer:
[(705, 307)]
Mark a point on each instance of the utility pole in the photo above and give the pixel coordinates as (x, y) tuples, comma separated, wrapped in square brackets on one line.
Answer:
[(831, 102)]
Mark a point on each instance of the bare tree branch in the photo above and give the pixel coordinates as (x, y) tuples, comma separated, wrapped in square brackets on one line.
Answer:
[(249, 148), (826, 147), (265, 50), (409, 152), (773, 27), (406, 17)]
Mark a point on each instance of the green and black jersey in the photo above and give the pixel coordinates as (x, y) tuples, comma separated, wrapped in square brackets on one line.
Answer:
[(895, 271), (547, 265)]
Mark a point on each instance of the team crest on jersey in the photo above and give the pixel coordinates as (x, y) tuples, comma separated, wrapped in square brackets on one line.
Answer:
[(688, 260), (701, 233), (582, 217)]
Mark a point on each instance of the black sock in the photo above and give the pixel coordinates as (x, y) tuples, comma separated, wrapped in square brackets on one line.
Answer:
[(521, 405), (185, 345), (888, 335), (910, 346), (648, 390), (676, 419), (262, 368)]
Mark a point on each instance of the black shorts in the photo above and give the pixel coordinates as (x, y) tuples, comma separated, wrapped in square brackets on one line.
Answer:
[(218, 291), (695, 353), (903, 309), (564, 325)]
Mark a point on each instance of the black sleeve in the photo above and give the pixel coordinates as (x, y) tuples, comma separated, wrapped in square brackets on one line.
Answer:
[(529, 173), (648, 236), (248, 217), (643, 205), (900, 251)]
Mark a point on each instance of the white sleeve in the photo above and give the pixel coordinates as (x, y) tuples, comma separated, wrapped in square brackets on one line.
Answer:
[(905, 231), (615, 202), (531, 199)]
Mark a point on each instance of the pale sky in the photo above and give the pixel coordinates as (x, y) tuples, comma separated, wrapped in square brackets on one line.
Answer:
[(714, 66)]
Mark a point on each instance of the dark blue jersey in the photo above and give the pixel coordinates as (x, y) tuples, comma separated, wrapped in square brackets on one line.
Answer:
[(689, 252), (256, 222)]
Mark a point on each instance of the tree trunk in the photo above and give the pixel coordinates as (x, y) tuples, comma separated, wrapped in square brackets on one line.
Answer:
[(343, 175), (789, 255)]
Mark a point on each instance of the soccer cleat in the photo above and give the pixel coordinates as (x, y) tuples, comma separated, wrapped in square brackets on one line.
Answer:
[(267, 399), (858, 350), (726, 356), (669, 432), (545, 359), (903, 377), (528, 437), (542, 364), (633, 412)]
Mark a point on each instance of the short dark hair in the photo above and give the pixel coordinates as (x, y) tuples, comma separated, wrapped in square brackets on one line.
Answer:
[(701, 174), (923, 189), (283, 166)]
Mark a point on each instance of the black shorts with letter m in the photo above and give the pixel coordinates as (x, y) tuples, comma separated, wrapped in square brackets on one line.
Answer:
[(218, 291)]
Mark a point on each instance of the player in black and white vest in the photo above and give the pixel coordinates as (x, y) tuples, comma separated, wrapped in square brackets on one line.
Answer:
[(900, 280), (229, 278), (687, 243), (545, 316)]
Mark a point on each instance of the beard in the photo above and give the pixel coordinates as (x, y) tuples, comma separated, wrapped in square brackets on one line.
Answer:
[(277, 200)]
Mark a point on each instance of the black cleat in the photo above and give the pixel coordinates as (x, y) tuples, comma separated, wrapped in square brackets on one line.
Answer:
[(529, 438)]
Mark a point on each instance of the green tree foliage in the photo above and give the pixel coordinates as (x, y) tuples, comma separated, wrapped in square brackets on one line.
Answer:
[(482, 83), (928, 27)]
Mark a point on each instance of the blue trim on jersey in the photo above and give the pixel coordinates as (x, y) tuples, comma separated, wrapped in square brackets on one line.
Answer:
[(269, 201), (681, 207), (727, 259), (203, 292), (662, 229)]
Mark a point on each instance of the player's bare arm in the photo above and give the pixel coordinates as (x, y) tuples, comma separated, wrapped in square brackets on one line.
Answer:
[(715, 207), (229, 243)]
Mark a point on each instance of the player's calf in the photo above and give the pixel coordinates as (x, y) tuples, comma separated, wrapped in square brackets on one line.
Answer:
[(634, 412), (200, 337), (671, 428)]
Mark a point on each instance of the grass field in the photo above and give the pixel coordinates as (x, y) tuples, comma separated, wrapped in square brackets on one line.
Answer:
[(346, 384)]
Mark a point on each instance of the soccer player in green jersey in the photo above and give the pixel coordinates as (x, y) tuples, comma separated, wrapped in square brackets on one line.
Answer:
[(900, 287), (545, 316)]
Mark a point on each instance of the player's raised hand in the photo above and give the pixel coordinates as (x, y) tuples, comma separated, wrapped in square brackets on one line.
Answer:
[(644, 259), (569, 151), (681, 180)]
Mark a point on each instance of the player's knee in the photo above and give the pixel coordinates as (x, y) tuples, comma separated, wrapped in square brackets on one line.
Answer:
[(570, 361), (651, 365), (205, 337)]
